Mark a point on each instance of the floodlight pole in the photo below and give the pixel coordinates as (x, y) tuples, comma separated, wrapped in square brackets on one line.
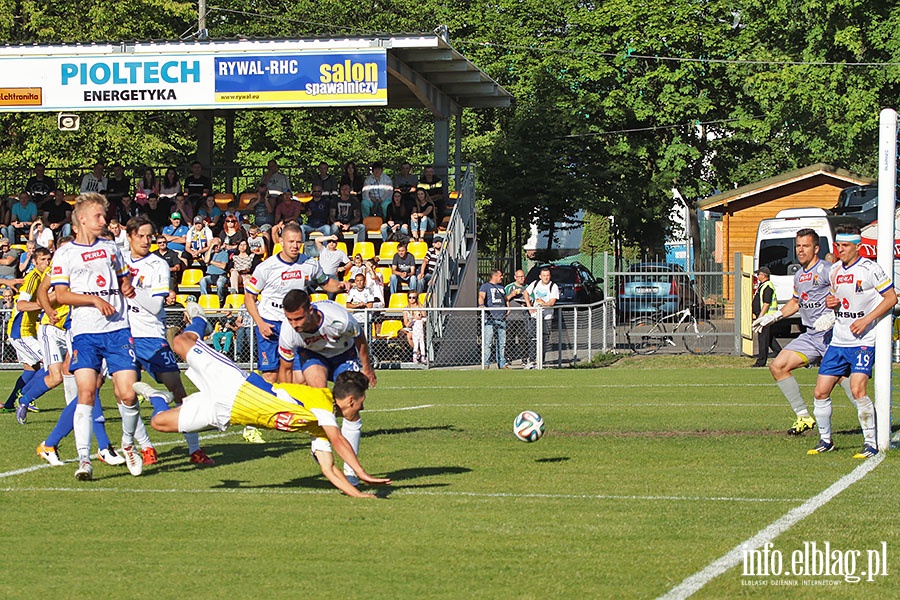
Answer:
[(887, 181)]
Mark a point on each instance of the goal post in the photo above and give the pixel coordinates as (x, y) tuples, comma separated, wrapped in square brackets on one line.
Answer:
[(887, 181)]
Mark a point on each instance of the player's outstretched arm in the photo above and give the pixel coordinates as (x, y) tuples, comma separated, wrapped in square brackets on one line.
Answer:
[(336, 476), (343, 449)]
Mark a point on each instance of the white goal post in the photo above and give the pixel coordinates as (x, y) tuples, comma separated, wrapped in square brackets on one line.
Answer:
[(887, 181)]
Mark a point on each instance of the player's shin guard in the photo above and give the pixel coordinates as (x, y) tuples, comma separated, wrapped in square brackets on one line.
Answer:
[(70, 388), (82, 425), (141, 436), (791, 390), (822, 413), (99, 424), (130, 417), (352, 431), (845, 383), (866, 412)]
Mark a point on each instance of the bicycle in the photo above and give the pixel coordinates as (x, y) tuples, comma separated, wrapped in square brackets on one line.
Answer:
[(647, 334)]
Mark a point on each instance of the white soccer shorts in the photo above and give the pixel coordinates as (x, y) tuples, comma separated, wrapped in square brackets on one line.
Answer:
[(28, 350), (218, 380), (55, 344)]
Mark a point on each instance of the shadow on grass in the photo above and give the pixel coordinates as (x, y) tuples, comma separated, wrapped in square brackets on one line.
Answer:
[(406, 430), (554, 459)]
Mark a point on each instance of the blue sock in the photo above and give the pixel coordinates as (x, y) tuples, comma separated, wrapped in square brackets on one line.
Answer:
[(64, 425), (198, 326), (23, 379), (35, 388), (159, 404), (100, 424)]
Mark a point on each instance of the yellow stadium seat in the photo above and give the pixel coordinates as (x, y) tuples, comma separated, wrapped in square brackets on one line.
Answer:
[(223, 200), (19, 247), (373, 226), (70, 198), (398, 300), (316, 297), (385, 273), (390, 328), (209, 301), (234, 301), (341, 299), (342, 246), (365, 249), (182, 299), (387, 252), (276, 249), (245, 199), (418, 249), (190, 280)]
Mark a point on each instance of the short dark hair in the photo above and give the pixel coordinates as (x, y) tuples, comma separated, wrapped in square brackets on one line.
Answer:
[(809, 232), (135, 223), (41, 251), (350, 383), (378, 165), (294, 300), (847, 228), (294, 227)]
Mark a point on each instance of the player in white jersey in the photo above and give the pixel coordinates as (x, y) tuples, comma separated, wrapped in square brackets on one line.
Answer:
[(90, 275), (265, 290), (328, 341), (147, 318), (861, 294), (811, 286)]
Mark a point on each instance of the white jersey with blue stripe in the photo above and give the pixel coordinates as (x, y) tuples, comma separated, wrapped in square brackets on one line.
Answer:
[(859, 287), (336, 334), (149, 274), (811, 287), (273, 278)]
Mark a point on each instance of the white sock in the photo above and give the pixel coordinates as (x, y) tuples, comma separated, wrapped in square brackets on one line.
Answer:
[(130, 417), (193, 441), (822, 412), (82, 427), (845, 383), (352, 430), (866, 412), (140, 434), (791, 390), (70, 388)]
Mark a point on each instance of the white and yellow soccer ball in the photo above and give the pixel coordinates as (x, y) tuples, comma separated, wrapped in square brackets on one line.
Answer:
[(528, 426)]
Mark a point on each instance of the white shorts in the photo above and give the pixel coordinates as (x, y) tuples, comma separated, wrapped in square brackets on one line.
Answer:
[(55, 344), (28, 350), (218, 380)]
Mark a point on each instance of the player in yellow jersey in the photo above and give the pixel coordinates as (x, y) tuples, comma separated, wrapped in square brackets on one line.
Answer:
[(229, 396), (22, 330)]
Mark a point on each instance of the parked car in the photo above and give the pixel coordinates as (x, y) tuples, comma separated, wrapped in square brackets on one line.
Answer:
[(576, 284), (656, 287)]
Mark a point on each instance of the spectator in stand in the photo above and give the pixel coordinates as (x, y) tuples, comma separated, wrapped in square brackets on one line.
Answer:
[(170, 187), (426, 272), (396, 218), (377, 191), (421, 219), (127, 209), (118, 185), (493, 295), (39, 186), (176, 266), (276, 180), (242, 264), (224, 332), (175, 233), (58, 214), (24, 213), (197, 186), (9, 262), (157, 212), (406, 182), (434, 187), (146, 186), (211, 214), (326, 182), (26, 259), (403, 269), (41, 235), (516, 322), (232, 234), (374, 282), (360, 297), (354, 179), (543, 295), (263, 208), (197, 242), (288, 210), (216, 259), (318, 214), (334, 262), (256, 242), (357, 267), (118, 235), (183, 207), (95, 181), (414, 326), (346, 215)]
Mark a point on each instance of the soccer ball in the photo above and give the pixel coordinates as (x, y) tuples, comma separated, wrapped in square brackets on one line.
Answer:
[(528, 426)]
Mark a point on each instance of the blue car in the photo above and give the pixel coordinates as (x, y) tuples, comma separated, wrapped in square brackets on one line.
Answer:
[(651, 287)]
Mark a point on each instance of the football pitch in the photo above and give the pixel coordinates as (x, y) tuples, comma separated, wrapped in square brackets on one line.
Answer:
[(656, 476)]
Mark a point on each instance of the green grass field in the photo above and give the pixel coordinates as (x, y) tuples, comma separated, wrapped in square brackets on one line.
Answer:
[(650, 471)]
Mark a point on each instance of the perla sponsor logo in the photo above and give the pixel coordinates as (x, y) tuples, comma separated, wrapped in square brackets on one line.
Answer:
[(805, 277), (93, 255), (844, 279), (286, 275)]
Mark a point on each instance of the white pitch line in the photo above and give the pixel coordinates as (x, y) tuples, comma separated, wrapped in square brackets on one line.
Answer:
[(45, 465), (589, 386), (733, 558), (399, 492), (402, 408)]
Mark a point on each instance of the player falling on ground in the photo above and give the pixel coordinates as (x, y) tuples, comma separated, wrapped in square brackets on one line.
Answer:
[(861, 294), (90, 275), (811, 286), (229, 396), (22, 332), (328, 341), (147, 320)]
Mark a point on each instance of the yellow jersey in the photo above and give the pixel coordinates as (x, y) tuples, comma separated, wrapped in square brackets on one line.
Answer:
[(24, 323), (254, 405)]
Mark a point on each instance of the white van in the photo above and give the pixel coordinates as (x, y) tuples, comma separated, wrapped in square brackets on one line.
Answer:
[(776, 240)]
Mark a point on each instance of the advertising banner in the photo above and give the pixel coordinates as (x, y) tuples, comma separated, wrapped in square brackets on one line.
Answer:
[(173, 81)]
